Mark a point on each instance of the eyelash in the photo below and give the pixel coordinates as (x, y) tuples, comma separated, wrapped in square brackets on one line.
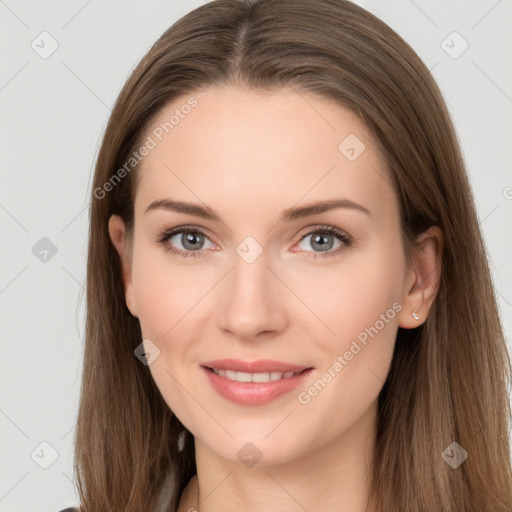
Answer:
[(163, 237)]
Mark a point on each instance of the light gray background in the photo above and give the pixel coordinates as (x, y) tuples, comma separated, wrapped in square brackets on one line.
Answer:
[(54, 111)]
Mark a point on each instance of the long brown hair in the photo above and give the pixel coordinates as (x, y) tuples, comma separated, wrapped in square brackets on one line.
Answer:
[(449, 377)]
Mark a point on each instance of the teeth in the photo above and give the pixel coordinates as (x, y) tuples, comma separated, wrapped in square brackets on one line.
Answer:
[(254, 377)]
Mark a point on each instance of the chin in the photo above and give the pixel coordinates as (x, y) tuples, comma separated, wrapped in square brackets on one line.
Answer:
[(261, 450)]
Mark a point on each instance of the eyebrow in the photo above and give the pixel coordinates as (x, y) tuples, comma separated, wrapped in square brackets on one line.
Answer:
[(294, 213)]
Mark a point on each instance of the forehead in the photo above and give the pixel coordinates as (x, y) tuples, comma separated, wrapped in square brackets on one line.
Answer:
[(228, 146)]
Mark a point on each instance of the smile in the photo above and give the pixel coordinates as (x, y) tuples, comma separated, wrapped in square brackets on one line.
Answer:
[(253, 388)]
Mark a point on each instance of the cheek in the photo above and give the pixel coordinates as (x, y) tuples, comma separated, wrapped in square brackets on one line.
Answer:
[(361, 308), (360, 353), (166, 294), (167, 303)]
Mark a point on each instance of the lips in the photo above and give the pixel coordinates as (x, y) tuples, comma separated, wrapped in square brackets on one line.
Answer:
[(255, 382)]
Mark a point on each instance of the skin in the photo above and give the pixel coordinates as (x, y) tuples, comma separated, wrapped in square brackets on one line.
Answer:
[(248, 156)]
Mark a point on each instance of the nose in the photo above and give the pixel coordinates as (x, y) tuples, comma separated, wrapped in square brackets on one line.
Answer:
[(252, 300)]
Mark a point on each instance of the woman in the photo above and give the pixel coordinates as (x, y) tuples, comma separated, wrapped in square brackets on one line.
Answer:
[(289, 304)]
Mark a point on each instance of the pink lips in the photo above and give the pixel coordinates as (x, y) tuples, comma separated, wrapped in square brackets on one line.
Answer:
[(253, 393)]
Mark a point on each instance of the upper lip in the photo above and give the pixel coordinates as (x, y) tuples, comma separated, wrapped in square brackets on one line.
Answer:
[(259, 366)]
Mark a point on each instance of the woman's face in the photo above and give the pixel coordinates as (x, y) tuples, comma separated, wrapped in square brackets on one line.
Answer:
[(255, 285)]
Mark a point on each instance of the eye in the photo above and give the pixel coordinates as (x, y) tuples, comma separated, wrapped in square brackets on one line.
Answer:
[(323, 238), (191, 239)]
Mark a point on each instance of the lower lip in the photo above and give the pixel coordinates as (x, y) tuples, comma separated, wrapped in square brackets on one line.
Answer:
[(253, 393)]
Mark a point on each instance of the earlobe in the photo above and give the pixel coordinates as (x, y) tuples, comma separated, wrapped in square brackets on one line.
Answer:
[(424, 279), (117, 232)]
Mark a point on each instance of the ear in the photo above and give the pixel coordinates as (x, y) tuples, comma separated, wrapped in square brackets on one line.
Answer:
[(117, 232), (423, 278)]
